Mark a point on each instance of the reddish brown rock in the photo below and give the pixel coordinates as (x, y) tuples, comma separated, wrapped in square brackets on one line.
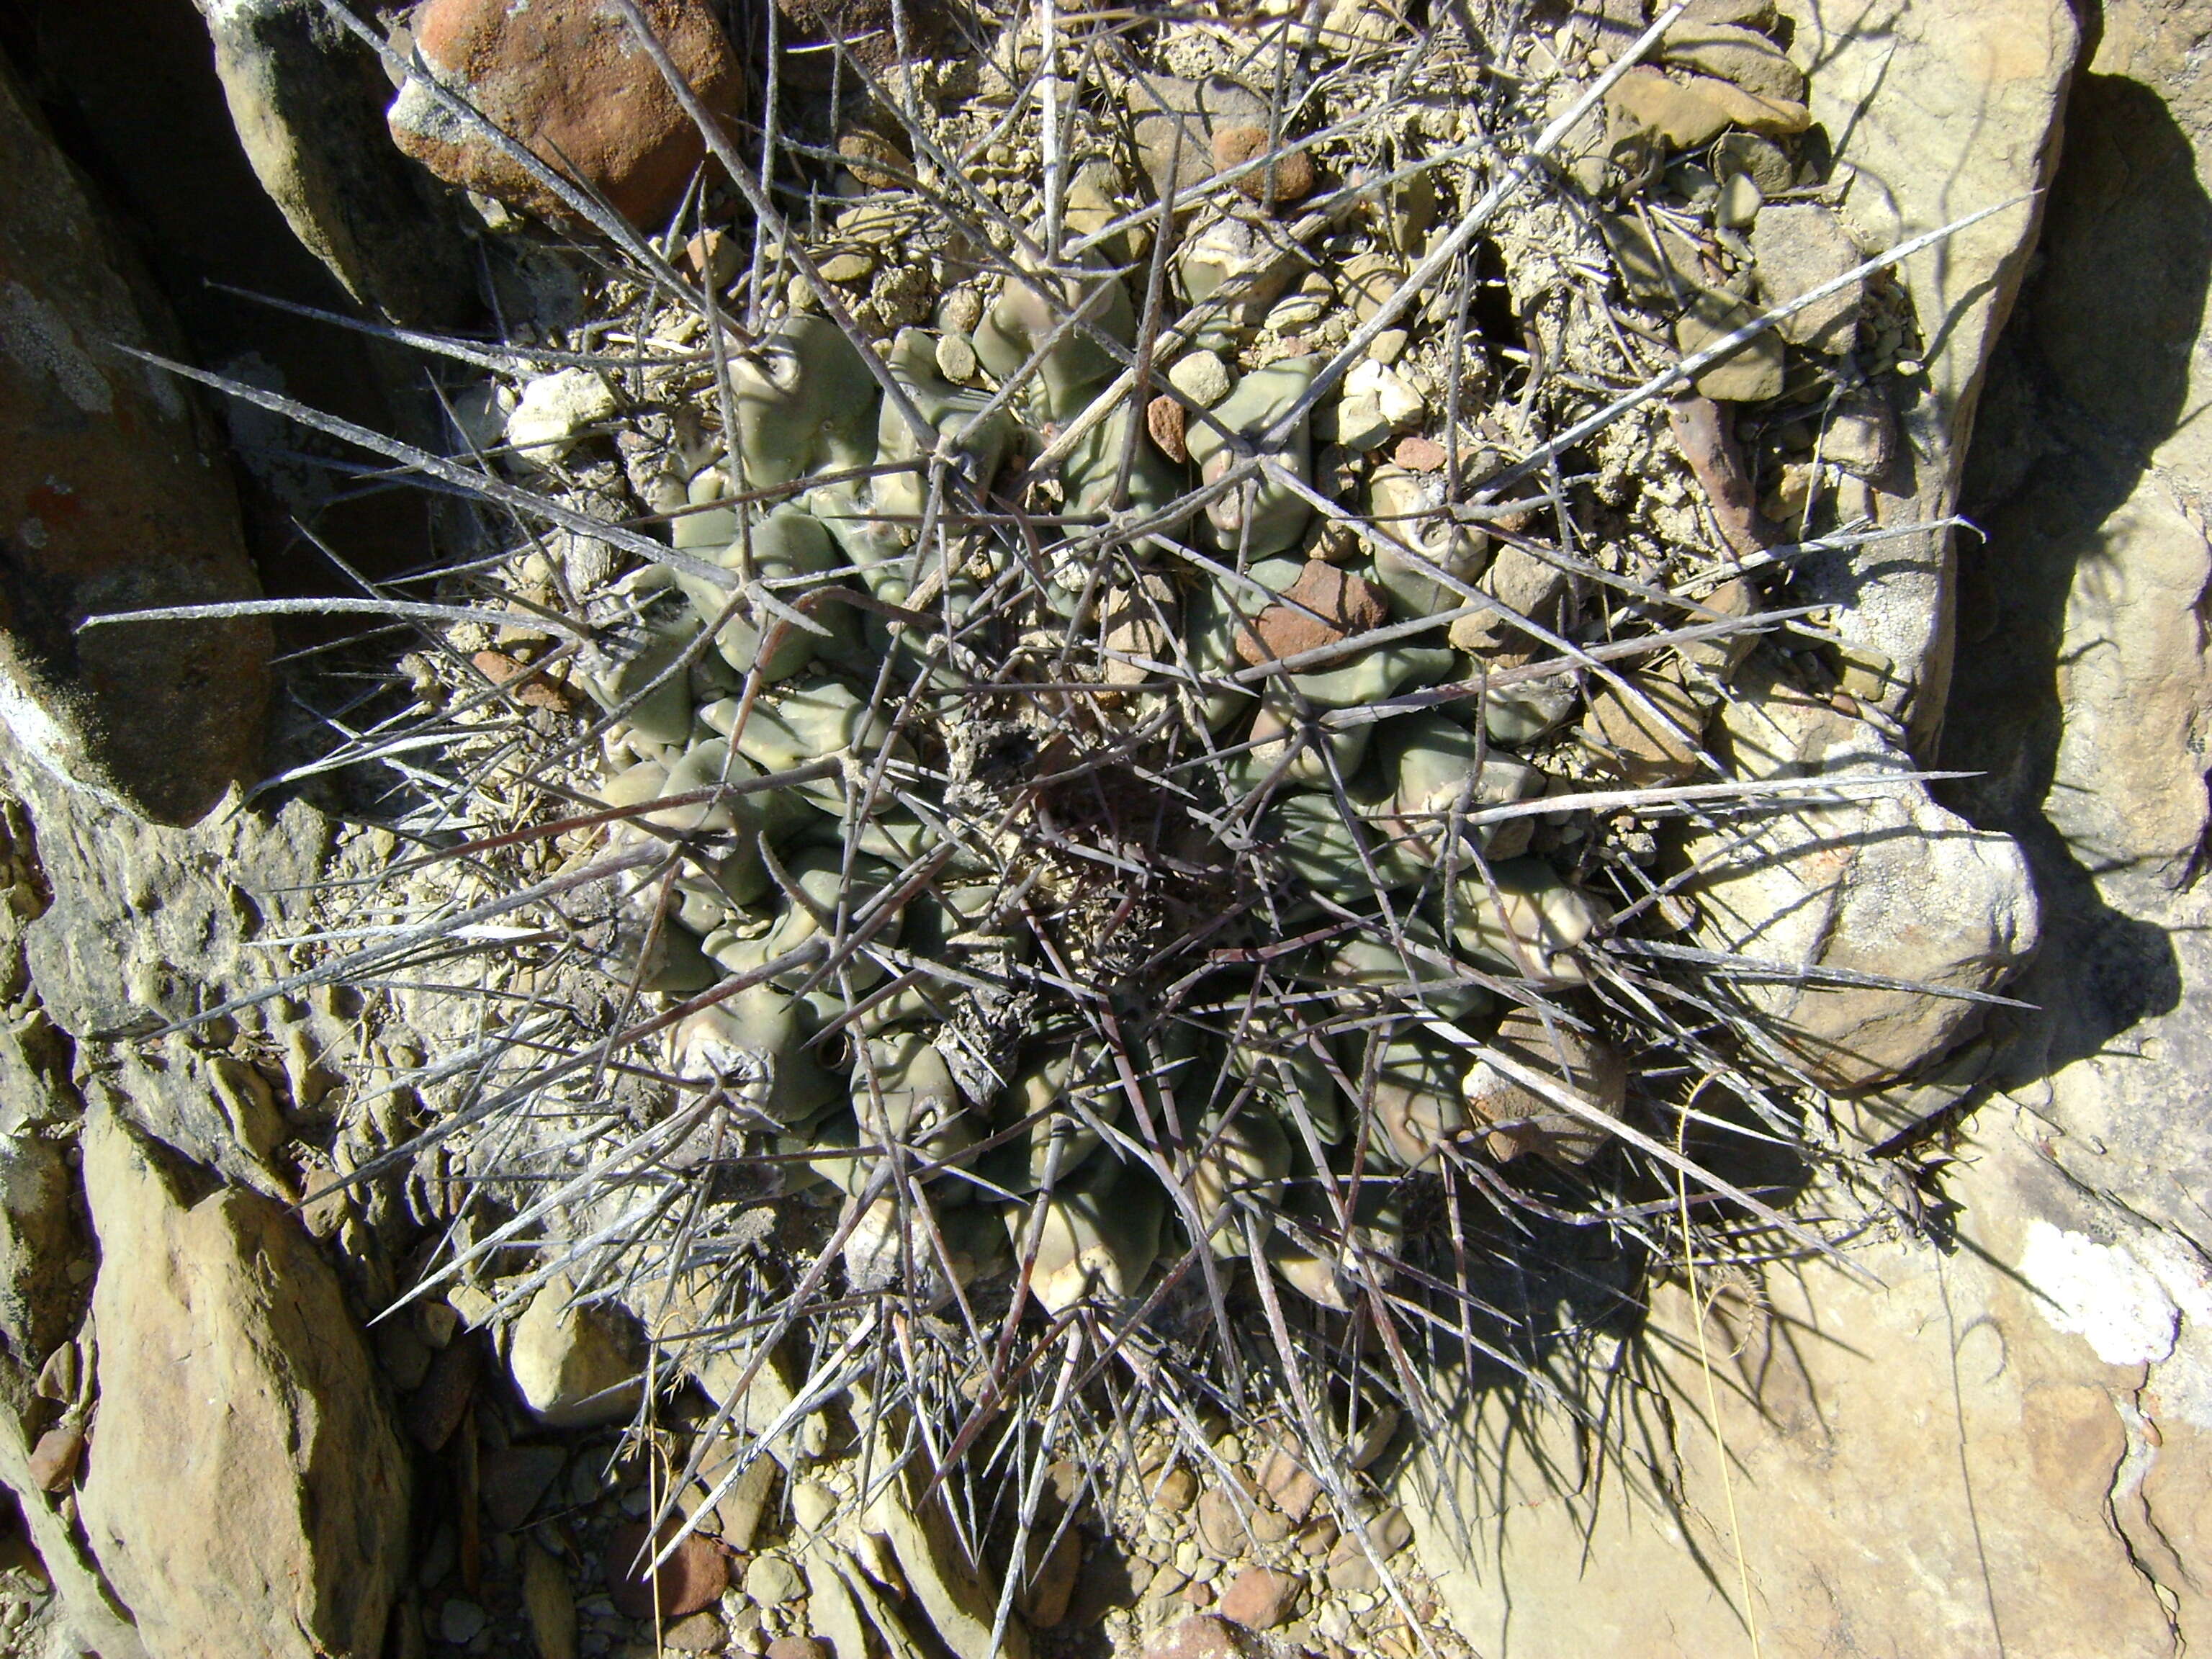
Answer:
[(54, 1459), (1259, 1598), (695, 1574), (514, 1479), (434, 1412), (1164, 419), (867, 29), (1419, 454), (533, 688), (1288, 178), (567, 78), (798, 1647), (1323, 605)]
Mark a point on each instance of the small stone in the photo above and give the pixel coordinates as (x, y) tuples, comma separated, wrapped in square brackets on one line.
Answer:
[(549, 1603), (1163, 419), (1289, 1484), (1289, 178), (1350, 1572), (460, 1620), (1258, 1598), (1388, 346), (1220, 1528), (1347, 605), (434, 1412), (1177, 1489), (554, 412), (772, 1581), (514, 1479), (1751, 374), (1318, 1538), (873, 159), (1203, 1636), (959, 311), (955, 358), (695, 1574), (1650, 733), (533, 689), (1760, 160), (1200, 376), (574, 1366), (712, 256), (1860, 435), (1740, 202), (1369, 279), (1419, 454), (1741, 56), (1797, 246), (1391, 1531), (699, 1633), (812, 1504), (798, 1647), (54, 1459), (849, 266), (1198, 1593), (1691, 111)]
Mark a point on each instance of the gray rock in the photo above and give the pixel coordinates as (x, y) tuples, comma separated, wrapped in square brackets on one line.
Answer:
[(111, 499), (1797, 246), (248, 1494), (1750, 373), (1161, 104), (307, 100), (38, 1236), (1891, 885), (575, 1366)]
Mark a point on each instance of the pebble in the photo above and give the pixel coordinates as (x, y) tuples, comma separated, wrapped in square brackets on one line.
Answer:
[(1796, 246), (1259, 1597), (798, 1647), (1203, 1636), (460, 1621), (772, 1581), (955, 358), (701, 1633), (1318, 1538), (692, 1577), (1165, 418), (1386, 346), (1690, 112), (1200, 376), (958, 312), (1752, 372), (54, 1459), (1289, 178), (1739, 202), (514, 1479), (849, 266), (712, 256), (554, 411), (1369, 279), (549, 1603), (873, 159), (1419, 454), (1177, 1491)]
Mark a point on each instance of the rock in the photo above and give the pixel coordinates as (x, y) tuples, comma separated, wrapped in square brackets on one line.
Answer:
[(1648, 730), (1891, 885), (1691, 111), (574, 1366), (566, 78), (1044, 1596), (1344, 606), (1739, 202), (1751, 373), (1175, 1491), (1527, 586), (1419, 454), (555, 411), (1748, 155), (1289, 1486), (700, 1633), (1584, 1065), (249, 1494), (460, 1620), (513, 1478), (956, 1600), (712, 258), (695, 1572), (874, 158), (772, 1581), (1200, 376), (54, 1459), (306, 98), (955, 358), (38, 1235), (847, 267), (1163, 419), (111, 499), (1741, 56), (1798, 246), (1860, 435), (1287, 179), (798, 1647), (549, 1604), (865, 28), (1221, 1532), (1202, 1636), (1176, 123), (1977, 129), (1260, 1598), (434, 1412)]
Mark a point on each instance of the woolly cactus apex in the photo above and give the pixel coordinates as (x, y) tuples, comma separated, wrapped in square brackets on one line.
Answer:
[(805, 402), (754, 1045), (1530, 926), (1023, 318), (786, 543), (1435, 766), (1262, 515), (1098, 1233), (951, 411), (1409, 508)]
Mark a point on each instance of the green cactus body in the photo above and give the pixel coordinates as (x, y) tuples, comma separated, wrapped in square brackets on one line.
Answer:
[(806, 403), (1264, 515)]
